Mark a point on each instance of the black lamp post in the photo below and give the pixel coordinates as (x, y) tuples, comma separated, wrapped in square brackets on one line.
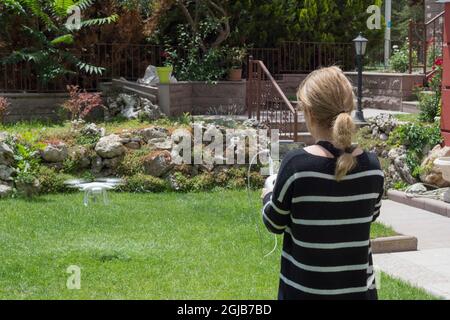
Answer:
[(360, 46)]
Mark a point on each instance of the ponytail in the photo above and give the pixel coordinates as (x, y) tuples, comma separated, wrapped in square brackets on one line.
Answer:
[(343, 130)]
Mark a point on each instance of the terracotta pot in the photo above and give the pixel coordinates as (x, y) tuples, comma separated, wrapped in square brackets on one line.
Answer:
[(235, 75)]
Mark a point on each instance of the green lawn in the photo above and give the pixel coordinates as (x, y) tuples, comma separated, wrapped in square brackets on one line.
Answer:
[(152, 246)]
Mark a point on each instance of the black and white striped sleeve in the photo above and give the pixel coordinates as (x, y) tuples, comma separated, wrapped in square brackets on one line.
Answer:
[(376, 212), (277, 204)]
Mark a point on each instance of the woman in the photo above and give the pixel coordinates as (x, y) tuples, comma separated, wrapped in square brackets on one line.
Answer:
[(325, 198)]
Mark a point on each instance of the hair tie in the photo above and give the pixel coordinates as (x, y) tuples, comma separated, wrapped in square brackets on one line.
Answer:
[(350, 150)]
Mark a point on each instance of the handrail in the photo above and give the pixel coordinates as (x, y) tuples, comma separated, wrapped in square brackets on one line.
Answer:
[(435, 18), (275, 84)]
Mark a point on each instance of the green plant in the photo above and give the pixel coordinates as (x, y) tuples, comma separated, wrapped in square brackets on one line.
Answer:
[(430, 106), (417, 138), (190, 61), (133, 162), (399, 61), (235, 57), (141, 183), (45, 24), (51, 181)]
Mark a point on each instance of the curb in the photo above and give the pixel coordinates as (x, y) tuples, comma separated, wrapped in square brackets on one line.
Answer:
[(393, 244), (439, 207)]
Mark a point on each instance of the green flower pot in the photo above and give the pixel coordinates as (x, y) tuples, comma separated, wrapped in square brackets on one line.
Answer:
[(164, 74)]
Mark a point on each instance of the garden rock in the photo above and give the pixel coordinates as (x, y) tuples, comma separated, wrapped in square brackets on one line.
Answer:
[(382, 125), (80, 155), (97, 165), (161, 144), (154, 133), (159, 164), (55, 153), (6, 173), (92, 130), (431, 173), (5, 191), (112, 163), (149, 111), (417, 188), (398, 157), (110, 147), (6, 154)]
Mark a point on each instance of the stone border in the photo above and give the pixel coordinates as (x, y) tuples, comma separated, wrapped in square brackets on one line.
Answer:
[(399, 243), (439, 207)]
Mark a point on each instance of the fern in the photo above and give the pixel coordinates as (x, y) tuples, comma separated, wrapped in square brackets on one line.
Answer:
[(100, 21), (64, 39), (84, 4), (36, 8), (60, 7)]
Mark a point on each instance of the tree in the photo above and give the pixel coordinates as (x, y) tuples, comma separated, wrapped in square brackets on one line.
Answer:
[(48, 39)]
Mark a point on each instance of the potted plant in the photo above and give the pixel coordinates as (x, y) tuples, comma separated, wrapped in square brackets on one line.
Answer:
[(236, 58), (165, 72)]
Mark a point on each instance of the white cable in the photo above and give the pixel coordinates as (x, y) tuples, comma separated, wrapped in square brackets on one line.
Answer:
[(250, 202)]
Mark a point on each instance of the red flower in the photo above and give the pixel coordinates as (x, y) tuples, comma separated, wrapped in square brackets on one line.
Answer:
[(439, 61)]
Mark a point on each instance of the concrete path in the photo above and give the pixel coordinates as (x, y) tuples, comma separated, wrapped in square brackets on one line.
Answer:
[(428, 268)]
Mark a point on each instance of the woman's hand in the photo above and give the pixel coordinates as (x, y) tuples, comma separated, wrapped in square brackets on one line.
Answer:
[(265, 192)]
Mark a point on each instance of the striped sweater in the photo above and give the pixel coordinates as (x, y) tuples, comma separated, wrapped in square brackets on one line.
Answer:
[(326, 226)]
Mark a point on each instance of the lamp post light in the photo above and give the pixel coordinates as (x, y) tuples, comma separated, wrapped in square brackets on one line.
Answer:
[(360, 47)]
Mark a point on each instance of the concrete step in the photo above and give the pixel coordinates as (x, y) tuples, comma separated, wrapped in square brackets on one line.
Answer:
[(411, 107), (306, 138)]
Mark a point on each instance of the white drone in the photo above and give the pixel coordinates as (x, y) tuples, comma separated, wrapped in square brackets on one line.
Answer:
[(93, 190)]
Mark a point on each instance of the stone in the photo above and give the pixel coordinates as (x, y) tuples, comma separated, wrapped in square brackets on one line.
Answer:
[(97, 165), (81, 156), (417, 188), (149, 111), (158, 164), (112, 163), (5, 190), (133, 145), (54, 153), (110, 147), (161, 143), (382, 124), (432, 174), (398, 158), (154, 133), (92, 130), (6, 173), (6, 154), (384, 137)]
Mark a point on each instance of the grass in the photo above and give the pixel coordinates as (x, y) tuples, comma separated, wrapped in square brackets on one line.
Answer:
[(147, 246), (407, 117)]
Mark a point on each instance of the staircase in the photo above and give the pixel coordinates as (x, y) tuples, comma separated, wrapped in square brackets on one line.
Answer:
[(267, 103)]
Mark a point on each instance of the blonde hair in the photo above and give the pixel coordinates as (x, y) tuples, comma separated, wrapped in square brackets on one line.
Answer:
[(327, 95)]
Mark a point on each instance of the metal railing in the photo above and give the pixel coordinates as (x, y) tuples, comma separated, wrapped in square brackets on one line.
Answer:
[(119, 60), (268, 104), (425, 40), (130, 61)]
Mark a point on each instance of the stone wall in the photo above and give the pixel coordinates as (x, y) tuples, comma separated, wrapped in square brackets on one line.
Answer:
[(34, 106), (380, 90)]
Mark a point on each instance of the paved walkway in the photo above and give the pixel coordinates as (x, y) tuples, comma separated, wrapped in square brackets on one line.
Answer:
[(428, 268)]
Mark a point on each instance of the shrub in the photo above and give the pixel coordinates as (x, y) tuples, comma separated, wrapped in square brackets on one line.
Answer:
[(430, 107), (418, 138), (81, 103), (52, 181), (399, 61), (133, 161), (141, 183)]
